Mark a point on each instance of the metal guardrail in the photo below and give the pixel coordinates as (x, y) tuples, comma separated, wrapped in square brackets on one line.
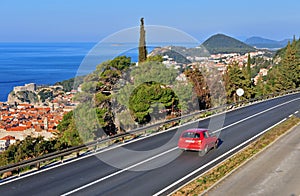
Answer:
[(60, 154)]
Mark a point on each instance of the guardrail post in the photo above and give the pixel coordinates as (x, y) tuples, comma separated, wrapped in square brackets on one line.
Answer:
[(38, 165), (77, 154), (61, 159)]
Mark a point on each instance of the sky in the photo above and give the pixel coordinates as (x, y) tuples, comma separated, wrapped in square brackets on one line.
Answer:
[(93, 20)]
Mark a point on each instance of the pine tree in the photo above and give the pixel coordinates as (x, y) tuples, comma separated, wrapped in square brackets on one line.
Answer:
[(234, 79), (142, 43), (289, 66), (260, 88)]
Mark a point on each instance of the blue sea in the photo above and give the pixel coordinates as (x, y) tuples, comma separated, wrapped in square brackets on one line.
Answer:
[(44, 63), (48, 63)]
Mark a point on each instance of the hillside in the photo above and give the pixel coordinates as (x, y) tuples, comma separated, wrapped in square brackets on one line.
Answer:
[(281, 52), (179, 53), (260, 42), (221, 43)]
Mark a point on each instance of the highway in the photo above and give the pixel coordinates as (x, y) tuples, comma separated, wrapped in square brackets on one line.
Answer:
[(276, 171), (148, 166)]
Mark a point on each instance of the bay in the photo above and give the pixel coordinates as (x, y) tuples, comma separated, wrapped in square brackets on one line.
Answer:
[(45, 63), (48, 63)]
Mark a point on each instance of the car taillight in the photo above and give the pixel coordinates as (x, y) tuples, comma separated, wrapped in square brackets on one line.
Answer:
[(199, 142)]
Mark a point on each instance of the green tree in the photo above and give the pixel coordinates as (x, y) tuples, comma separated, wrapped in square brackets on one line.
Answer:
[(45, 94), (261, 88), (277, 81), (291, 65), (142, 43), (187, 98), (248, 84), (28, 148), (286, 75), (157, 58), (234, 79), (147, 97), (248, 73)]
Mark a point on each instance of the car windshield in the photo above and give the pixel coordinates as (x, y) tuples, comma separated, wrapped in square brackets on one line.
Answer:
[(190, 135)]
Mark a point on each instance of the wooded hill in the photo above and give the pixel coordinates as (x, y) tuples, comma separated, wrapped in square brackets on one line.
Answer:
[(221, 43)]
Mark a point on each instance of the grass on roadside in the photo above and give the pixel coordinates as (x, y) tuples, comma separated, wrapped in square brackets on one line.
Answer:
[(206, 180)]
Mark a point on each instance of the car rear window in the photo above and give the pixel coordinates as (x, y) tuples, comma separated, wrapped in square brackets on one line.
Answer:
[(190, 135)]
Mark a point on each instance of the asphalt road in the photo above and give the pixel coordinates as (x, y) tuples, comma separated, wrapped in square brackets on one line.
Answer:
[(273, 172), (147, 166)]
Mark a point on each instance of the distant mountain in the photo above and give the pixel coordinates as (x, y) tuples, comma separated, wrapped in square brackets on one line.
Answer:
[(259, 42), (221, 43)]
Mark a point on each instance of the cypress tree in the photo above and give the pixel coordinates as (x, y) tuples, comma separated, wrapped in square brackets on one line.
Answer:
[(249, 85), (142, 43), (249, 67)]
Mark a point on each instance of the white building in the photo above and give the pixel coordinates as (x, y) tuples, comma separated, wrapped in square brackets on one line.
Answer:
[(6, 141)]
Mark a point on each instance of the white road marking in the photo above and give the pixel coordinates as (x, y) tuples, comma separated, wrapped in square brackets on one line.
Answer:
[(121, 171), (211, 162), (255, 115), (118, 172), (110, 148)]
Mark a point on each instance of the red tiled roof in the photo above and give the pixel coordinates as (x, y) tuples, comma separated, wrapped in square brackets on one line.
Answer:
[(18, 128), (8, 137), (7, 117)]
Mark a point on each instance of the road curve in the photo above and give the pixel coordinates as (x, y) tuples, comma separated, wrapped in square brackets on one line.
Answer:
[(147, 166)]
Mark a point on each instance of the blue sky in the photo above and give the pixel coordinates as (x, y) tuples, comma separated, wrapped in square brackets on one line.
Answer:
[(92, 20)]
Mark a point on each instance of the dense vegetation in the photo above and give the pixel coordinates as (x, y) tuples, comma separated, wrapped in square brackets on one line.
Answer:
[(285, 75), (71, 84), (224, 44), (119, 96), (282, 76)]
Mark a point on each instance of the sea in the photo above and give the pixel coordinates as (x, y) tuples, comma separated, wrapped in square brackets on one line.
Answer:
[(48, 63), (45, 63)]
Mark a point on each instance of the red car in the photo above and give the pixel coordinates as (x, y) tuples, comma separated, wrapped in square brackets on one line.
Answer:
[(197, 139)]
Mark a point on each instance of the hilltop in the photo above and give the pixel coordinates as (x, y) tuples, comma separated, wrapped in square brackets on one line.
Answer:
[(221, 43)]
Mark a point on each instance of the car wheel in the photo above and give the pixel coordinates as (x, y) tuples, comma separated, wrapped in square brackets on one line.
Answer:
[(204, 151), (216, 144)]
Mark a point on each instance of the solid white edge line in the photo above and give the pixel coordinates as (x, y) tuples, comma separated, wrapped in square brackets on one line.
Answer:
[(118, 172), (211, 162), (254, 115), (113, 174), (120, 145)]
